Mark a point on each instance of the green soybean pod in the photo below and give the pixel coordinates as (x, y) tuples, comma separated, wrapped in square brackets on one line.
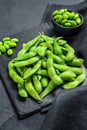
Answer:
[(76, 70), (57, 49), (51, 72), (25, 56), (37, 84), (20, 70), (80, 78), (31, 91), (44, 81), (76, 62), (31, 43), (33, 48), (49, 45), (21, 91), (51, 86), (67, 75), (13, 74), (41, 51), (26, 62), (28, 45), (44, 64), (70, 53), (42, 72), (64, 67), (61, 42), (39, 77), (47, 38), (29, 72), (57, 59)]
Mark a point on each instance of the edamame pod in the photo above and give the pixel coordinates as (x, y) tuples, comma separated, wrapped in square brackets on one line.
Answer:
[(13, 74), (26, 62), (76, 62), (67, 75), (37, 84), (29, 73), (51, 86), (80, 78), (31, 91), (21, 91), (25, 56), (44, 82)]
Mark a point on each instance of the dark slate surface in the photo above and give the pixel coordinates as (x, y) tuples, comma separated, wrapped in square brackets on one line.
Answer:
[(16, 16)]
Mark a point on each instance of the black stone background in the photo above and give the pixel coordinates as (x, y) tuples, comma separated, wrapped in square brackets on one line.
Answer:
[(17, 16)]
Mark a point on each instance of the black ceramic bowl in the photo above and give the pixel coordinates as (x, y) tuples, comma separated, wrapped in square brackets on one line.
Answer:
[(62, 30)]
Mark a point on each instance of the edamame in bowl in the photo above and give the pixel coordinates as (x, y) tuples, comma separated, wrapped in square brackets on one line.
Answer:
[(67, 22)]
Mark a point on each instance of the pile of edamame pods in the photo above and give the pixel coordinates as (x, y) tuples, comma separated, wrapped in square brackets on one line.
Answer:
[(66, 18), (44, 64)]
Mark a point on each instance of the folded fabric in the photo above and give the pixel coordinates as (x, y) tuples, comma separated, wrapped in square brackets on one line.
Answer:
[(68, 111)]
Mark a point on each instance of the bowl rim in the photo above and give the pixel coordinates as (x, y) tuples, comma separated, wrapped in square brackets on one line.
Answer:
[(82, 18)]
